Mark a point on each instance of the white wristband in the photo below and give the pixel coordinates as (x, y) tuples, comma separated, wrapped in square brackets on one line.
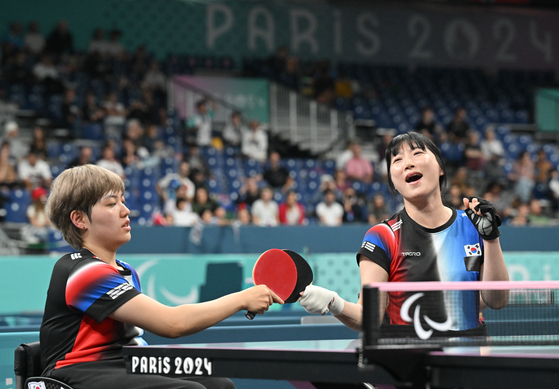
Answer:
[(336, 305)]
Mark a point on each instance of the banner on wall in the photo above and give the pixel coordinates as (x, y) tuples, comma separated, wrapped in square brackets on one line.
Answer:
[(427, 34), (249, 95), (423, 35)]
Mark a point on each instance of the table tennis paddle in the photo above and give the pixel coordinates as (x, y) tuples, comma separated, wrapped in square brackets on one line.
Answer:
[(285, 272)]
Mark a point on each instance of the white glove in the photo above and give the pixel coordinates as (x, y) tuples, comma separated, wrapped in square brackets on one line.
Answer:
[(318, 300)]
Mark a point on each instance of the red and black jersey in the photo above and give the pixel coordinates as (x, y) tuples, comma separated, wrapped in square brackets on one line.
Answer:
[(411, 252), (83, 292)]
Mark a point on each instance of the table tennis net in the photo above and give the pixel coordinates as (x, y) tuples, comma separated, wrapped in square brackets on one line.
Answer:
[(460, 313)]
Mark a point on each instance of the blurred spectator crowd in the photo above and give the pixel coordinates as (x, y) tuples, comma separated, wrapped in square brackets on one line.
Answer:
[(61, 108)]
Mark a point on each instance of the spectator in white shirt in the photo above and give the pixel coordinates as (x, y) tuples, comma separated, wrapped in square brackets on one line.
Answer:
[(98, 43), (330, 213), (34, 40), (167, 185), (344, 156), (18, 148), (199, 125), (46, 73), (255, 142), (154, 78), (234, 130), (182, 215), (45, 69), (113, 47), (109, 162), (494, 154), (265, 211), (34, 172)]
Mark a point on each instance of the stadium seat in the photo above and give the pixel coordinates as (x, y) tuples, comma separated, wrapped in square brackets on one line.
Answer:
[(251, 167), (35, 101), (16, 207), (215, 186), (93, 131), (54, 149), (329, 166), (69, 153), (57, 244), (168, 165), (56, 170)]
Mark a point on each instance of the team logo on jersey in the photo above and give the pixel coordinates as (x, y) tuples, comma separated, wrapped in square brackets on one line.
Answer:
[(368, 245), (419, 330), (36, 385), (411, 253), (75, 256), (472, 250)]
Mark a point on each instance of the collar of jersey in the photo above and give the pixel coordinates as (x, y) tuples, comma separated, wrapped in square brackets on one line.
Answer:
[(407, 219)]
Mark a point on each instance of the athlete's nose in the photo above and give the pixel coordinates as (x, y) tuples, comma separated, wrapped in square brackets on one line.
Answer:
[(408, 163), (125, 211)]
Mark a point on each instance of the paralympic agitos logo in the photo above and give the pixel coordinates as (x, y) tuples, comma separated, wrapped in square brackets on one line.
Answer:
[(419, 330)]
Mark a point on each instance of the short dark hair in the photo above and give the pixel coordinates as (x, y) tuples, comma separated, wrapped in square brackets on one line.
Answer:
[(79, 189), (414, 140)]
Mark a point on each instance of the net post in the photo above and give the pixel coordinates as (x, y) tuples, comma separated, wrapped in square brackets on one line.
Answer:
[(370, 323)]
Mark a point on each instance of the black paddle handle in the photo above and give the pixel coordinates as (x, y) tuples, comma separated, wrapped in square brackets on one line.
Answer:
[(250, 315)]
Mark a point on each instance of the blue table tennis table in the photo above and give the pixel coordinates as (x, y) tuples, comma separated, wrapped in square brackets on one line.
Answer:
[(341, 361)]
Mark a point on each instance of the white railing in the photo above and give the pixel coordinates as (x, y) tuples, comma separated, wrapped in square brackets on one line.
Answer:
[(302, 121), (305, 122), (183, 99), (7, 246)]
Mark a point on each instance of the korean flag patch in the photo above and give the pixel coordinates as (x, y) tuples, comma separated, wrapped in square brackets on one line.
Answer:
[(472, 250), (36, 385)]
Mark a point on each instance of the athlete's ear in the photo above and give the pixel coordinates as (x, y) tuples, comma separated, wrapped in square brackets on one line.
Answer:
[(78, 219)]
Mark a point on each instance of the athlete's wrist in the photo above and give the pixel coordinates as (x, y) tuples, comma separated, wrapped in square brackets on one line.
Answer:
[(336, 306)]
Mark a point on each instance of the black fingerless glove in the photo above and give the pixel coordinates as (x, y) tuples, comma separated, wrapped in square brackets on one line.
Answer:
[(487, 224)]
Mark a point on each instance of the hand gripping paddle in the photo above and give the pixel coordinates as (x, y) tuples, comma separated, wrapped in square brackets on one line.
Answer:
[(285, 272)]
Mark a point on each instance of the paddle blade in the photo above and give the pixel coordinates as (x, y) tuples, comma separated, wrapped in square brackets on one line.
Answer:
[(276, 269), (304, 276)]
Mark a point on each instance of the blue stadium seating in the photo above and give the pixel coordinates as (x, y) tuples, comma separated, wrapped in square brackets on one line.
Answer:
[(93, 131), (16, 207)]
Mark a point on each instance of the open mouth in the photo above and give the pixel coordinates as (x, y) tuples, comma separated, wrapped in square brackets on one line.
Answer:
[(413, 177)]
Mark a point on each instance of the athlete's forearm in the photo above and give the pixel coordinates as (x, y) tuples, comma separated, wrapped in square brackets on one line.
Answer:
[(351, 316), (494, 269)]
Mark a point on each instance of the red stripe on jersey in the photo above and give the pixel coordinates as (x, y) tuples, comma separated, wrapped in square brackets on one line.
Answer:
[(388, 237), (395, 252), (396, 273), (93, 340)]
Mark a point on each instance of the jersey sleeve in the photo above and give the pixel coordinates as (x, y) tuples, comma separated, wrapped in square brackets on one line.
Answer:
[(378, 245), (97, 289)]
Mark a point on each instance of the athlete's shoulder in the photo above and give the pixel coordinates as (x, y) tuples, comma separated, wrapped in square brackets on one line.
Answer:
[(78, 256), (393, 223), (384, 231), (74, 258), (125, 265), (462, 218), (83, 261)]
